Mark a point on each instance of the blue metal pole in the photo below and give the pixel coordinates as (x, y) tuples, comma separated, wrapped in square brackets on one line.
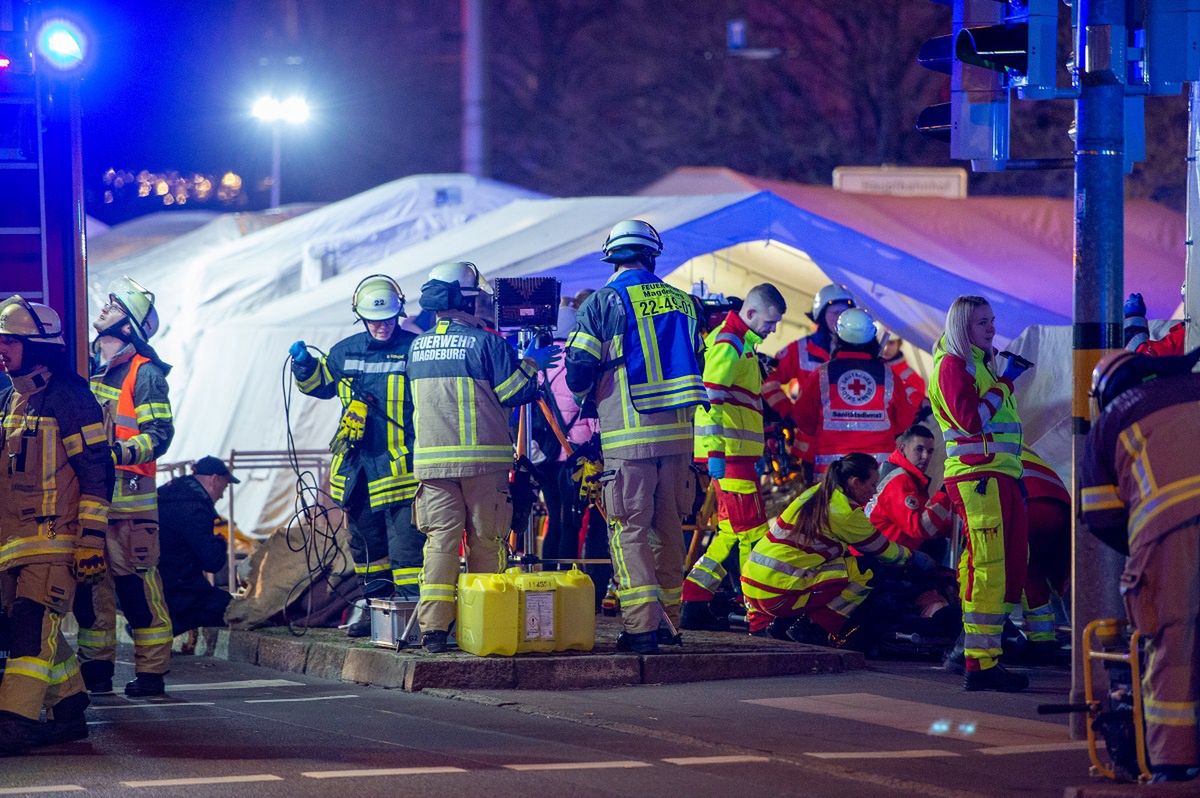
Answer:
[(1099, 267)]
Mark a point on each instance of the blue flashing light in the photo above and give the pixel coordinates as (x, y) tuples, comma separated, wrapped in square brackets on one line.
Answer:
[(966, 728), (62, 44), (939, 727)]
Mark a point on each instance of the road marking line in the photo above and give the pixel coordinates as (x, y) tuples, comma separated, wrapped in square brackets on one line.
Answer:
[(1073, 745), (987, 730), (621, 763), (283, 700), (94, 708), (914, 754), (245, 684), (345, 774), (46, 788), (203, 780), (714, 760)]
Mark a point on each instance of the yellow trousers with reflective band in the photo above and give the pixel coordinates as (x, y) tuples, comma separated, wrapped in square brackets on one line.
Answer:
[(991, 571), (741, 521), (36, 598), (646, 502), (131, 546), (443, 509)]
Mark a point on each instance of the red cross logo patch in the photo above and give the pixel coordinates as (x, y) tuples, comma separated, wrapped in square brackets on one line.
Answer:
[(856, 387)]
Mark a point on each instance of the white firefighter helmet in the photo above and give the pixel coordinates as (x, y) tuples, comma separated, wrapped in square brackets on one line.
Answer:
[(30, 320), (466, 274), (827, 296), (856, 326), (377, 298), (137, 303), (630, 238)]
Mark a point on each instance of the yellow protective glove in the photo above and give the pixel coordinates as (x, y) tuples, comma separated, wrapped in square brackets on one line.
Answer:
[(351, 428), (587, 474), (90, 564)]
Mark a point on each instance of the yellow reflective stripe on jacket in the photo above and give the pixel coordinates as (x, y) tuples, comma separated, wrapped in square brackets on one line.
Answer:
[(638, 436), (132, 504), (1101, 497), (319, 377), (526, 371), (104, 392), (94, 434), (1160, 499), (584, 342), (93, 513), (24, 548), (464, 454)]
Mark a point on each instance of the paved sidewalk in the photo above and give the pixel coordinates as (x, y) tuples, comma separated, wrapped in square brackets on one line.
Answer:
[(705, 656)]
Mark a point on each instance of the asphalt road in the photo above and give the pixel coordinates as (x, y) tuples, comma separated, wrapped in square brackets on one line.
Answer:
[(229, 729)]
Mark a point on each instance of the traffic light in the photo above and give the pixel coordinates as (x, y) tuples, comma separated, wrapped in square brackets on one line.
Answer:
[(1022, 46), (1170, 42), (975, 120)]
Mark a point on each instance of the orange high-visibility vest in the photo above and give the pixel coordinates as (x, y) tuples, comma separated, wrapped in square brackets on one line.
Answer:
[(126, 421)]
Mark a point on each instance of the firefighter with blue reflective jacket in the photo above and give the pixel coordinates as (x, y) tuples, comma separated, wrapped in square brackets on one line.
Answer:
[(464, 377), (637, 350), (54, 491), (371, 472), (130, 382)]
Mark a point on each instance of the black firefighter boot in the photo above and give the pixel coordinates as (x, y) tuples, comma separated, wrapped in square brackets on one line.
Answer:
[(18, 733), (97, 676), (145, 685), (65, 720)]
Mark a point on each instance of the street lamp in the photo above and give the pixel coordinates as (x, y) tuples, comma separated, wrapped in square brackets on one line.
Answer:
[(291, 111)]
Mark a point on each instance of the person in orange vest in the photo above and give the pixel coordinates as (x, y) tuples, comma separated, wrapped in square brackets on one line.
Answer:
[(853, 402), (130, 382), (902, 508), (802, 356), (1137, 331)]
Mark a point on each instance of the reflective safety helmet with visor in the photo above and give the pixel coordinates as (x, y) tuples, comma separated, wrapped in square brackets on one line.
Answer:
[(827, 296), (32, 321), (466, 274), (137, 303), (631, 239), (377, 298), (856, 326)]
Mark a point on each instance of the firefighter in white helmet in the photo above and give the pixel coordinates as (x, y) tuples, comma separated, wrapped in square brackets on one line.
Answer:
[(464, 380), (130, 382), (636, 352), (54, 495), (372, 469), (801, 357)]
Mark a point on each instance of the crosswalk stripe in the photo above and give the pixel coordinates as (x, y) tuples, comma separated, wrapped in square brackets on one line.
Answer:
[(203, 780), (926, 719), (291, 700), (244, 684), (152, 705), (918, 753), (714, 760), (349, 774), (41, 789), (620, 763), (1072, 745)]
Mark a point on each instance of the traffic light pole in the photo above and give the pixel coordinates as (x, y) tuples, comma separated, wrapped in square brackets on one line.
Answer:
[(1099, 267), (1191, 297)]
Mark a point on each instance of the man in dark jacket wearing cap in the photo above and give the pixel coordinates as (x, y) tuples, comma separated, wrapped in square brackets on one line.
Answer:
[(187, 509)]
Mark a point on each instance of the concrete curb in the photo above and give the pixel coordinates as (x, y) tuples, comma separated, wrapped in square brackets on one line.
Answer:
[(328, 654)]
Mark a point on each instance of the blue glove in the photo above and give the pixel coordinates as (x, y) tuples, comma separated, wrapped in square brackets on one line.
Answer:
[(1013, 369), (299, 352), (922, 563), (544, 356), (716, 467), (1135, 306)]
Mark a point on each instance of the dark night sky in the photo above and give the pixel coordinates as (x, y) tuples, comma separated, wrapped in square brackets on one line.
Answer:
[(172, 82)]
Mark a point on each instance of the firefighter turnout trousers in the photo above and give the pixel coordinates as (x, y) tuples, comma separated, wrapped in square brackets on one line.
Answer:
[(385, 544), (444, 508), (131, 547), (1164, 606), (646, 502), (991, 571), (42, 669)]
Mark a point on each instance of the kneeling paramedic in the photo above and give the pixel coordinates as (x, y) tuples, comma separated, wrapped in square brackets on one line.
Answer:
[(130, 382), (372, 477), (463, 377), (637, 349), (802, 579), (54, 491)]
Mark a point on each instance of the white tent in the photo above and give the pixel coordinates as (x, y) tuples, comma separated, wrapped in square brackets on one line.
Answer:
[(238, 367)]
